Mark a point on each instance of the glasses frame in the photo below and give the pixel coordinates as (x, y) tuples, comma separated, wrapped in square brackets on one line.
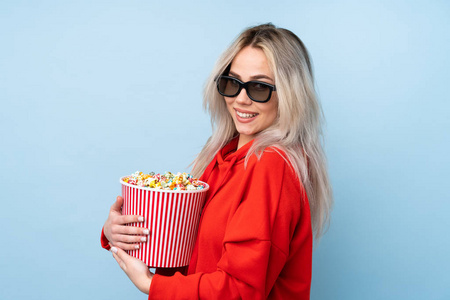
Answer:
[(244, 85)]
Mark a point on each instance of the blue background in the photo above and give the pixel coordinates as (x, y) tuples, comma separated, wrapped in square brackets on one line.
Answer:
[(93, 90)]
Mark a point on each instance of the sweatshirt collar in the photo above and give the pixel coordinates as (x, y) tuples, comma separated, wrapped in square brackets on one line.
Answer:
[(229, 152)]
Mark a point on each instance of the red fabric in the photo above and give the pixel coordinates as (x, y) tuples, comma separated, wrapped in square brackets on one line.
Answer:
[(254, 240), (104, 241)]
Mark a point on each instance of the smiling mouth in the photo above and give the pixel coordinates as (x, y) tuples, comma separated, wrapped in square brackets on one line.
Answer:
[(245, 115)]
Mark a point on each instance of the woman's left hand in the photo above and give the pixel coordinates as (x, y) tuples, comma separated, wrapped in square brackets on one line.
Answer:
[(136, 270)]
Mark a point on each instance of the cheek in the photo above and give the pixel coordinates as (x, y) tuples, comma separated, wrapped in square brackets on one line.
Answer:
[(273, 117), (273, 112), (228, 105), (228, 101)]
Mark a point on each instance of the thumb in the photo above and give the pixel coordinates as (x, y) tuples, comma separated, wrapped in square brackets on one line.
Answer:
[(117, 206), (116, 255)]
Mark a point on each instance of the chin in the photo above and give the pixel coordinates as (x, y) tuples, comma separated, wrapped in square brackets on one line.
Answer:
[(244, 131)]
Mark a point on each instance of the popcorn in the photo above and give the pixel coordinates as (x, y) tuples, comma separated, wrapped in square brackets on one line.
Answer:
[(167, 181)]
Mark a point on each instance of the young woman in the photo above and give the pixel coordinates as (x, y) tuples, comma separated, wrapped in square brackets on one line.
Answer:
[(269, 190)]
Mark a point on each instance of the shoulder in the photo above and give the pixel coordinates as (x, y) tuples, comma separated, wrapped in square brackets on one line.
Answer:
[(274, 159), (272, 166), (275, 154)]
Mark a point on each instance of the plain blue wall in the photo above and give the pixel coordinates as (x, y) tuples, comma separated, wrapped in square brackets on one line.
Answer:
[(93, 90)]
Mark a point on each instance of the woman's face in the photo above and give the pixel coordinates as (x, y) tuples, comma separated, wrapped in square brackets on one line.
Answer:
[(251, 117)]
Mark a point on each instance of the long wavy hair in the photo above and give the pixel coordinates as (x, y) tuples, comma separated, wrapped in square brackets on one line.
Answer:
[(297, 129)]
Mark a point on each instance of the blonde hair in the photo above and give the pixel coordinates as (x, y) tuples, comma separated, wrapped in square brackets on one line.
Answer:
[(297, 129)]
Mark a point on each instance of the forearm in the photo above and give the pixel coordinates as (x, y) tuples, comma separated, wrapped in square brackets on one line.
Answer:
[(216, 285)]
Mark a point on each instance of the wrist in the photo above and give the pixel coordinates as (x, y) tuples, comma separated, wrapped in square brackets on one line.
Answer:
[(146, 283)]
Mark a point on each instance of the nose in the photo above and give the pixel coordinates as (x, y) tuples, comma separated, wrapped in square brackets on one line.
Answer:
[(242, 98)]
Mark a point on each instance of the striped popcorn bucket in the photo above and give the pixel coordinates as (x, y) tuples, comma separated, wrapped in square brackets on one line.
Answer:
[(171, 216)]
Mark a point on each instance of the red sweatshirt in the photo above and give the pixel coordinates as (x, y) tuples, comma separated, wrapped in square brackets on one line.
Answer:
[(254, 239)]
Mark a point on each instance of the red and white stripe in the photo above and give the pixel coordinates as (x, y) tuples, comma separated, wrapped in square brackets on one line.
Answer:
[(171, 216)]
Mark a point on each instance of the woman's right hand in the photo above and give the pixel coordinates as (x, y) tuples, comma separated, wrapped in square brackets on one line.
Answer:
[(120, 235)]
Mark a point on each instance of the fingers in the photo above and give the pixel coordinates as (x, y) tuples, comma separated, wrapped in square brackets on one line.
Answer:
[(117, 206), (130, 239), (127, 247), (130, 230), (115, 214), (127, 219)]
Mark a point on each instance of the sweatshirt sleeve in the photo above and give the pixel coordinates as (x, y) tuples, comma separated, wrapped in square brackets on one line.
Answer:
[(104, 241), (256, 241)]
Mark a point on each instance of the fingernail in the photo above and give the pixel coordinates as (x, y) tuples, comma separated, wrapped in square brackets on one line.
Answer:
[(146, 231), (141, 219), (136, 247), (143, 239), (114, 249)]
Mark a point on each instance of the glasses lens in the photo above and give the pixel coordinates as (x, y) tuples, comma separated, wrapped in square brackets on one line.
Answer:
[(228, 86), (258, 91)]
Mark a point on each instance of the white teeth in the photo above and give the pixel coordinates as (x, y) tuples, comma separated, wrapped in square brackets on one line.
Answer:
[(244, 115)]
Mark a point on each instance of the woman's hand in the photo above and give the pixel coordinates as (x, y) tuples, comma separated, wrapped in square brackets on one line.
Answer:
[(120, 235), (135, 269)]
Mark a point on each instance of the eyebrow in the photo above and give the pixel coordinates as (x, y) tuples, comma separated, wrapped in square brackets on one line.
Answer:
[(254, 77)]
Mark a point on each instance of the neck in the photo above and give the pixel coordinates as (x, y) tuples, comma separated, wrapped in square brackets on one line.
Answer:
[(244, 139)]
